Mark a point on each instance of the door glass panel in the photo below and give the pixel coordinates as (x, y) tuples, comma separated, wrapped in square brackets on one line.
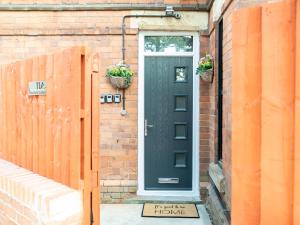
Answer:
[(180, 74), (168, 44), (180, 159), (180, 103), (180, 131)]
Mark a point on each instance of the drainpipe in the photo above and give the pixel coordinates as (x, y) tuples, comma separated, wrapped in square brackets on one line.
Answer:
[(169, 12)]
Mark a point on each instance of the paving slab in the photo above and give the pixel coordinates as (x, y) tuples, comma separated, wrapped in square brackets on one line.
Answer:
[(130, 214)]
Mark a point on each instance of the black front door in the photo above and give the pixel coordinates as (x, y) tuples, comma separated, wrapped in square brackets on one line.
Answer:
[(168, 122)]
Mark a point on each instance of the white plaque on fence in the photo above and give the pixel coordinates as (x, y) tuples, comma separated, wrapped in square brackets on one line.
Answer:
[(37, 88)]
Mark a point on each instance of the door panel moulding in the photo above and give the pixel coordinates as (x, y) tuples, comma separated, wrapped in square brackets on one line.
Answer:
[(100, 7)]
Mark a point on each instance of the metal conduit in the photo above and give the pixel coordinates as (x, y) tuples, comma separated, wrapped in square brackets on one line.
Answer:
[(101, 7), (174, 15)]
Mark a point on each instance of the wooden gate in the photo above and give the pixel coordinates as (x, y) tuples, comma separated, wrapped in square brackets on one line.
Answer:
[(50, 132)]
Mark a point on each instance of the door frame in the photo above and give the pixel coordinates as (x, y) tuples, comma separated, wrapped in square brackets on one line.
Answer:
[(196, 90)]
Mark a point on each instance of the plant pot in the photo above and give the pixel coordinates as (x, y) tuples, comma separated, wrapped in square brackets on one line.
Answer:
[(207, 76), (119, 82)]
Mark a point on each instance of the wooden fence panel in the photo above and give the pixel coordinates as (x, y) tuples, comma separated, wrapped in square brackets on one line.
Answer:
[(247, 96), (275, 187), (278, 92), (297, 123), (52, 135), (42, 133)]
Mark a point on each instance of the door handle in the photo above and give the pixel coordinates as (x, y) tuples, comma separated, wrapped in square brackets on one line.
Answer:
[(146, 127)]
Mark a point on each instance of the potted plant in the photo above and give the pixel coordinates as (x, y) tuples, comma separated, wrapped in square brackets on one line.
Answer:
[(120, 76), (205, 68)]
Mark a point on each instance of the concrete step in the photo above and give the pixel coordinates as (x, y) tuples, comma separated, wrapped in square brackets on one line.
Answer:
[(163, 199), (130, 214)]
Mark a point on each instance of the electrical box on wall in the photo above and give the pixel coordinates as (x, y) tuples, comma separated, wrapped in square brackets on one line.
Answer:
[(102, 99), (117, 98), (109, 98)]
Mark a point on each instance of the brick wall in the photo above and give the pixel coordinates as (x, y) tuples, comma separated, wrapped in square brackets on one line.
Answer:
[(227, 69), (213, 100), (118, 157), (204, 113), (27, 198), (24, 34), (115, 191)]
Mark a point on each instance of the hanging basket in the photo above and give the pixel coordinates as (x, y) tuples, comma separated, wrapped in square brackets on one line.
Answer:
[(120, 82), (207, 76)]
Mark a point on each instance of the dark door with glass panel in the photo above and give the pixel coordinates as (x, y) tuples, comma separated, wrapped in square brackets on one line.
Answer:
[(168, 122)]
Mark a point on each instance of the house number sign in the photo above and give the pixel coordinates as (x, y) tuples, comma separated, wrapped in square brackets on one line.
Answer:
[(37, 88)]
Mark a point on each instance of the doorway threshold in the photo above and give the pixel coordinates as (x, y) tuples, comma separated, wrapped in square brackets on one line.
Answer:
[(164, 199)]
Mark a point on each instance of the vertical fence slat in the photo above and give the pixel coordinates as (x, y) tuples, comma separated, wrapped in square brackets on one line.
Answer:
[(6, 121), (22, 108), (49, 122), (35, 122), (246, 112), (278, 46), (297, 122), (10, 117), (74, 101), (4, 113), (1, 114), (42, 120), (95, 143), (28, 116), (7, 118), (64, 115), (13, 112), (18, 114), (86, 75), (57, 132), (71, 72)]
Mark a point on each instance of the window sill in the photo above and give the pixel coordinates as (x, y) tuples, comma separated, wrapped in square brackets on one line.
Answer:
[(216, 175)]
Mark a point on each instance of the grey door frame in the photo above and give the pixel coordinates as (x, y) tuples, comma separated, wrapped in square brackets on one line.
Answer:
[(196, 90)]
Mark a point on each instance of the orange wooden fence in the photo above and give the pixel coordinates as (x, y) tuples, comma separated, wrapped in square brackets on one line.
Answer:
[(266, 115), (52, 134), (297, 122)]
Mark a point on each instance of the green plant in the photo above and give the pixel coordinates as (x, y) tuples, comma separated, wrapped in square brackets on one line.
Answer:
[(205, 64), (120, 70)]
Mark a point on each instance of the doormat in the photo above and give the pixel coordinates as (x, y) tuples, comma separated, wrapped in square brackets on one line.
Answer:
[(170, 210)]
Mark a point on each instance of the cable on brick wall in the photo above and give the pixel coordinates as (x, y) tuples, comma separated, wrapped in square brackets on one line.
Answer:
[(169, 12)]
